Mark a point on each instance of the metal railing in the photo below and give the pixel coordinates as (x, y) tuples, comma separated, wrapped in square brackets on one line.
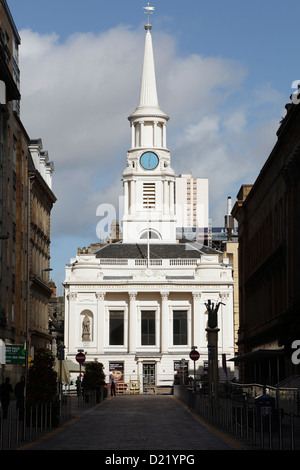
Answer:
[(257, 424), (16, 431), (286, 398)]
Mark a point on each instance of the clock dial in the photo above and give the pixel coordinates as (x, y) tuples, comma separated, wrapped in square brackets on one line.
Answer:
[(149, 160)]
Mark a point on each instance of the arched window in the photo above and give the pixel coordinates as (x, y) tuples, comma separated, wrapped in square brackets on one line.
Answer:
[(152, 235)]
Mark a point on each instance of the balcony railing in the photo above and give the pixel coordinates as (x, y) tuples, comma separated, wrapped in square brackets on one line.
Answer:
[(152, 262)]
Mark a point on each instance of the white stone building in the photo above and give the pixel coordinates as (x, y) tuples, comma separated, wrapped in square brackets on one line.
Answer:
[(138, 306)]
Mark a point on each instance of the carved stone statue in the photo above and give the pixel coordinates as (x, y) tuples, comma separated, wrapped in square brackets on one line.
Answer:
[(86, 329)]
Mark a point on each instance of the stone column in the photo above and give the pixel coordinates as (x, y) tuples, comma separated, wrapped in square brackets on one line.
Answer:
[(70, 325), (165, 198), (100, 325), (212, 342), (226, 325), (172, 197), (164, 135), (164, 322), (126, 198), (132, 135), (132, 318), (155, 134), (132, 197), (141, 134), (213, 376), (197, 332)]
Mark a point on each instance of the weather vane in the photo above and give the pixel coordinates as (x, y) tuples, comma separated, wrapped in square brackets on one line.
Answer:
[(149, 11)]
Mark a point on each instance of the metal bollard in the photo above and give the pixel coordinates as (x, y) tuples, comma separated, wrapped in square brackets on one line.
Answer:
[(292, 430), (30, 422), (280, 429), (270, 431), (1, 430), (45, 420), (253, 427), (242, 423), (17, 427), (9, 428), (36, 419), (261, 430)]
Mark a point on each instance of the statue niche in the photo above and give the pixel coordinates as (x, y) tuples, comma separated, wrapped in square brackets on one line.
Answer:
[(86, 327)]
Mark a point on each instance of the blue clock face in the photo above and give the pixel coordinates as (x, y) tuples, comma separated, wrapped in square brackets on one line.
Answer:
[(149, 160)]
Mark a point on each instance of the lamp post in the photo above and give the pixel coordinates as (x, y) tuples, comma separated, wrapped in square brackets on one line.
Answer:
[(60, 357), (212, 338)]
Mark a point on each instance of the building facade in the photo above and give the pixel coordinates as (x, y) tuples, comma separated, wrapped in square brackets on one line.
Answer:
[(269, 258), (42, 200), (192, 212), (139, 305), (26, 200), (13, 191)]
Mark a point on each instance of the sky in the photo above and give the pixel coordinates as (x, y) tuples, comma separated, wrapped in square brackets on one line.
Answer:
[(225, 71)]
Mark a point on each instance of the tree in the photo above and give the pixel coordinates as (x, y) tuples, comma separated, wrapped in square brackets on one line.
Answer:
[(94, 377), (42, 378)]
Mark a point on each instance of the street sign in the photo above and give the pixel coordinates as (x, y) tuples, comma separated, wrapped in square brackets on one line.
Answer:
[(80, 357), (194, 355), (15, 354)]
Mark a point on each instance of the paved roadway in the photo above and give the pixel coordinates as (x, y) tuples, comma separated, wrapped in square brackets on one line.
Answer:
[(135, 423)]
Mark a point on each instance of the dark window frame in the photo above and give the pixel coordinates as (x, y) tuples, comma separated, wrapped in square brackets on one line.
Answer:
[(148, 327), (116, 328), (180, 327)]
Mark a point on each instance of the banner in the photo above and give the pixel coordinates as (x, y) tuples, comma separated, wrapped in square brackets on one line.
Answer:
[(117, 370)]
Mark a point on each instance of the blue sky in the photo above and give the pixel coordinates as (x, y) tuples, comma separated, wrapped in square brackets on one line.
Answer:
[(224, 74)]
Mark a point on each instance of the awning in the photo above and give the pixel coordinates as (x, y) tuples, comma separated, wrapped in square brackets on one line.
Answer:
[(65, 374), (257, 355)]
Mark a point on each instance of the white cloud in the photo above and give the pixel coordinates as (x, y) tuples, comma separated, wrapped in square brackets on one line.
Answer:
[(77, 95)]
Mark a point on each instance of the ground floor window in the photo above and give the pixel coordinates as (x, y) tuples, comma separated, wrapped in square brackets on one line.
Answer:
[(116, 327), (148, 327), (180, 327)]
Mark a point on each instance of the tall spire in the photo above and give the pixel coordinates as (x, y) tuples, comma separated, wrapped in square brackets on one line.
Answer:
[(148, 93), (148, 103)]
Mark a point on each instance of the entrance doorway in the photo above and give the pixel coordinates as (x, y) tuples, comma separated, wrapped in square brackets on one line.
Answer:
[(148, 378)]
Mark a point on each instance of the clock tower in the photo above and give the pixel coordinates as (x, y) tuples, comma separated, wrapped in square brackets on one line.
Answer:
[(148, 180)]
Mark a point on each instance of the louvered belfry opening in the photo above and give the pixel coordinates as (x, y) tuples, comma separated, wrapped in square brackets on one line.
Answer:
[(149, 195)]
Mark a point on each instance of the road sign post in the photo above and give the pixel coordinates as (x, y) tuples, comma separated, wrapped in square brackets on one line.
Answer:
[(194, 355), (80, 358)]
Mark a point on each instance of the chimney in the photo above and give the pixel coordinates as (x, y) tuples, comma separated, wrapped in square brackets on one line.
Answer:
[(229, 220)]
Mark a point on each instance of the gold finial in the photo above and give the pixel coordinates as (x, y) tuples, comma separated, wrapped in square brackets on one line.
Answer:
[(149, 11)]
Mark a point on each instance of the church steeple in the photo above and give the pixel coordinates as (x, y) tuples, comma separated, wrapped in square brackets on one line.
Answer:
[(148, 104), (149, 207)]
